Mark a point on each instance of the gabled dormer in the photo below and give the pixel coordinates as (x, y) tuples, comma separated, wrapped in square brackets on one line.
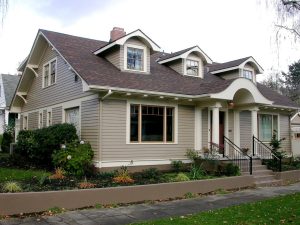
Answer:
[(129, 52), (189, 62), (245, 67)]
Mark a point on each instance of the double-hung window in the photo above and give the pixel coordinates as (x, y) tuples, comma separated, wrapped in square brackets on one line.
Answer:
[(135, 59), (49, 73), (151, 123), (268, 126), (192, 67)]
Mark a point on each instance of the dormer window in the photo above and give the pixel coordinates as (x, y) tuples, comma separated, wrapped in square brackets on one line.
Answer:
[(192, 67), (135, 59), (248, 74)]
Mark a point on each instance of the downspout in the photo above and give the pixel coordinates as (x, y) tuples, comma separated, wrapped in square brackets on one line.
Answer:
[(107, 95)]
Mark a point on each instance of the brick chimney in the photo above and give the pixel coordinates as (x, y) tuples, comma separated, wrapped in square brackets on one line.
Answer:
[(116, 33)]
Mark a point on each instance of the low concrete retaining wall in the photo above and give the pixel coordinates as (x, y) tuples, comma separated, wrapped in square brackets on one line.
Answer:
[(292, 175), (27, 202)]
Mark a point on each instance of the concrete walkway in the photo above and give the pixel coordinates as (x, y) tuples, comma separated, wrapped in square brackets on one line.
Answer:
[(140, 212)]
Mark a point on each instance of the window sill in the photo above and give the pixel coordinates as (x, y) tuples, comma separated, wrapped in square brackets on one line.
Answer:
[(49, 86), (152, 143), (136, 71)]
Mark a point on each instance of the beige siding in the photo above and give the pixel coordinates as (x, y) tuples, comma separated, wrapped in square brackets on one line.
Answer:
[(90, 124), (205, 127), (113, 56), (245, 129), (57, 115), (113, 132), (21, 122), (33, 120), (65, 88), (177, 65), (134, 41), (285, 132), (230, 75)]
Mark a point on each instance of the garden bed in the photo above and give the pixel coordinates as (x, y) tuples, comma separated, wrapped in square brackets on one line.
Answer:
[(28, 202)]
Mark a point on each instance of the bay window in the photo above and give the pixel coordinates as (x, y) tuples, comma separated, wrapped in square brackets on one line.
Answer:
[(151, 123), (268, 126)]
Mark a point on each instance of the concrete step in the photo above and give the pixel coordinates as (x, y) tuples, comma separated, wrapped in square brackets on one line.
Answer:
[(259, 172), (259, 167), (258, 178), (256, 162), (268, 183)]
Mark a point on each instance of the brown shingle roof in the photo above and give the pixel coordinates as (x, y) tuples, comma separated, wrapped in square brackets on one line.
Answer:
[(97, 70), (221, 66), (174, 54)]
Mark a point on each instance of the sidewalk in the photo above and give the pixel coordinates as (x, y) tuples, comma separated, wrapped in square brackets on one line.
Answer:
[(140, 212)]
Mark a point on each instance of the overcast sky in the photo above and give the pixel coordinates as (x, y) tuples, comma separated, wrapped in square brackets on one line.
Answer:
[(225, 30)]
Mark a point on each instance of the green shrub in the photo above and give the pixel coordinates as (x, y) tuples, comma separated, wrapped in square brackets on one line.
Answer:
[(11, 187), (151, 173), (177, 166), (75, 158), (196, 172), (232, 170), (181, 177), (7, 139), (38, 145)]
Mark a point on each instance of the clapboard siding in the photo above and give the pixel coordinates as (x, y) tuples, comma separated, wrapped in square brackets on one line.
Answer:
[(205, 127), (33, 120), (285, 132), (21, 122), (245, 129), (177, 65), (57, 115), (114, 145), (65, 88), (113, 56), (44, 118), (230, 125), (90, 124)]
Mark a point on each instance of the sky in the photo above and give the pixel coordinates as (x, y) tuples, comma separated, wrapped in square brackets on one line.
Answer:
[(224, 30)]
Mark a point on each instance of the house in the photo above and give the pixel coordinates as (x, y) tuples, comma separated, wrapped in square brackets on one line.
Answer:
[(8, 85), (139, 106), (295, 127)]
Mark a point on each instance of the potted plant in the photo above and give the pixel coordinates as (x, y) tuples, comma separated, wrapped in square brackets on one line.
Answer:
[(245, 151)]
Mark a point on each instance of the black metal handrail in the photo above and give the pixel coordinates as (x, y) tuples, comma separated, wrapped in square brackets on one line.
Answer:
[(238, 157), (264, 152)]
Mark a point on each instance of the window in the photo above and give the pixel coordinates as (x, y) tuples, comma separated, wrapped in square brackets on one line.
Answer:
[(72, 117), (248, 74), (49, 119), (192, 67), (49, 73), (135, 59), (151, 123), (268, 126), (40, 120), (25, 123)]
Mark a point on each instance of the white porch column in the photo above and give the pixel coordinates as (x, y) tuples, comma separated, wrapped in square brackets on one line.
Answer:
[(215, 124), (236, 133), (254, 123), (198, 128)]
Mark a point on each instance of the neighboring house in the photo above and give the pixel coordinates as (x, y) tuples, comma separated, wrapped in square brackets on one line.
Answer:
[(8, 85), (139, 106), (295, 126)]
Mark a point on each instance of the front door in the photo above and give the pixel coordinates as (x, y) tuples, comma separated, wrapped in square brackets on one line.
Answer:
[(221, 130)]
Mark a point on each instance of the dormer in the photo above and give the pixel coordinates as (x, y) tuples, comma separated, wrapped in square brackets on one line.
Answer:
[(246, 67), (129, 52), (188, 62)]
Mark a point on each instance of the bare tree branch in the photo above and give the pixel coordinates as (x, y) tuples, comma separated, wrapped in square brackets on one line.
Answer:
[(292, 30), (3, 9)]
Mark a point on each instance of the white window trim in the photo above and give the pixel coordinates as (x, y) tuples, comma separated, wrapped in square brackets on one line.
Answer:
[(47, 122), (72, 106), (49, 75), (278, 123), (151, 103), (144, 57)]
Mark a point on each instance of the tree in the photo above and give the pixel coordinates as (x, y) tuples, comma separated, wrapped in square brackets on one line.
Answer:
[(3, 9), (292, 82)]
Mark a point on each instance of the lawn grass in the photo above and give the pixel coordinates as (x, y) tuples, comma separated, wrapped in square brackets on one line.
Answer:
[(9, 174), (278, 210)]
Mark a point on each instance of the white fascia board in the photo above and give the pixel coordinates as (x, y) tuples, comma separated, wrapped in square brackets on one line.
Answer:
[(251, 59), (225, 70), (185, 55), (122, 41), (285, 107), (127, 90), (294, 116), (242, 83)]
